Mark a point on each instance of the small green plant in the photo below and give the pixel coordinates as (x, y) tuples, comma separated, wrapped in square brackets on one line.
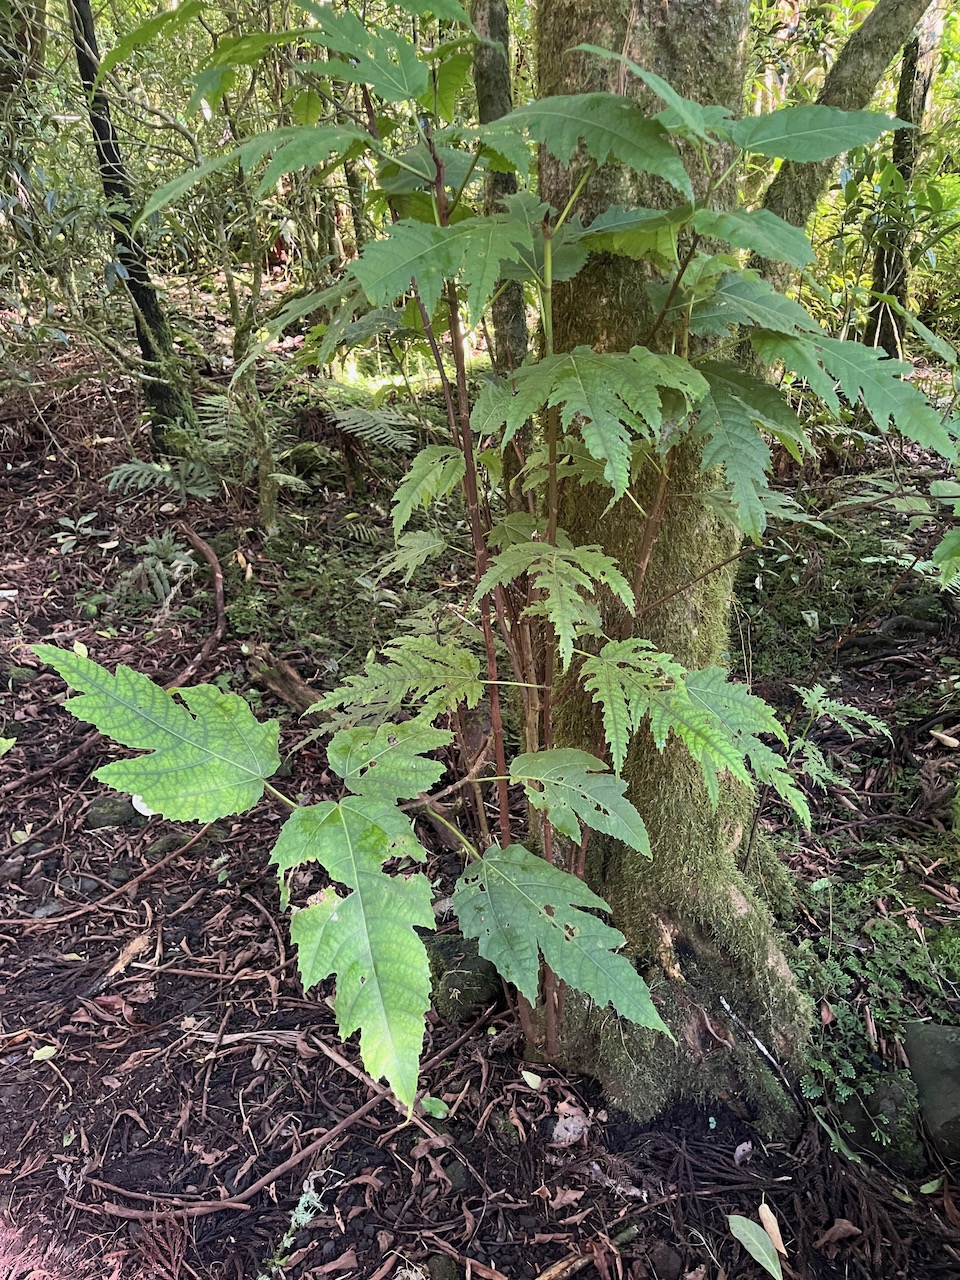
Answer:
[(163, 566), (72, 532), (535, 618), (184, 477)]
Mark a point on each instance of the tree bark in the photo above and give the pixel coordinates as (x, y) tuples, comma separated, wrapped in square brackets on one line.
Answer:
[(491, 78), (850, 84), (23, 36), (885, 327), (164, 388), (693, 917)]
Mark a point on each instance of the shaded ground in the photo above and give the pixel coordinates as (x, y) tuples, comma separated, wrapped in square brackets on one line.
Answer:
[(170, 1103)]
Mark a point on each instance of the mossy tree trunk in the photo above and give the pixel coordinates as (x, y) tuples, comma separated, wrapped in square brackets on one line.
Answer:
[(164, 386), (694, 917), (885, 326)]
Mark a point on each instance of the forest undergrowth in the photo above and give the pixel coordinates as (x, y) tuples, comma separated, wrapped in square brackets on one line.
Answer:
[(154, 1020)]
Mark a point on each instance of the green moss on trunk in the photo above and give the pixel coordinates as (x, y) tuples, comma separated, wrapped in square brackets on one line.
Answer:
[(693, 920)]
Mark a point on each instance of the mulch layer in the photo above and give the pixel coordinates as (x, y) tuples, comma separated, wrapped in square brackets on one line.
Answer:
[(172, 1105)]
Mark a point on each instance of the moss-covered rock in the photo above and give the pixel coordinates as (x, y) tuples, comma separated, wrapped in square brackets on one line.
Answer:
[(112, 811), (463, 982)]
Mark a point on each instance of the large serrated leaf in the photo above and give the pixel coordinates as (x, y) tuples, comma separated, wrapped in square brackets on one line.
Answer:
[(411, 251), (435, 472), (487, 245), (433, 675), (565, 578), (609, 126), (368, 942), (367, 939), (377, 56), (758, 230), (692, 117), (742, 299), (518, 907), (350, 838), (611, 398), (868, 374), (720, 722), (809, 133), (731, 428), (511, 404), (208, 758), (573, 787), (623, 678), (637, 233), (293, 147), (389, 762)]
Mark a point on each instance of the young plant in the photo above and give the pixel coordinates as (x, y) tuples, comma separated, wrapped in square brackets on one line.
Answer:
[(533, 626)]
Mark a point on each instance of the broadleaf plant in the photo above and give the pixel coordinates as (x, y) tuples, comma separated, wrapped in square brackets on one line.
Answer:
[(537, 613)]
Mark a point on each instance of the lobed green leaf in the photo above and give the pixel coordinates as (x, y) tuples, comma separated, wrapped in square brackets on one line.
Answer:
[(519, 906), (571, 787), (208, 755)]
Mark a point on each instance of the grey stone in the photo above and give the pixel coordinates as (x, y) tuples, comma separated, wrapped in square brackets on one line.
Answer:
[(78, 884), (443, 1268), (14, 676), (463, 982), (934, 1053), (112, 811), (884, 1120)]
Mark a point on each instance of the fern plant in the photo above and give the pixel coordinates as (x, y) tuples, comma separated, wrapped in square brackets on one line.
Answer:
[(532, 621)]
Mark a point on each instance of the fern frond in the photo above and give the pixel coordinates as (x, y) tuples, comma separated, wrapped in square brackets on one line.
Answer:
[(384, 428), (431, 675), (191, 479), (818, 705)]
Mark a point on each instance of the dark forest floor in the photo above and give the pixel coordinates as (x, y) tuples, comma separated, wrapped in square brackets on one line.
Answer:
[(170, 1103)]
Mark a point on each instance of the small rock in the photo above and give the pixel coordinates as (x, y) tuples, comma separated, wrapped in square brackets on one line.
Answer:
[(443, 1268), (118, 875), (47, 909), (163, 845), (885, 1122), (11, 869), (667, 1263), (112, 811), (463, 982), (14, 676), (458, 1174), (78, 884), (934, 1053)]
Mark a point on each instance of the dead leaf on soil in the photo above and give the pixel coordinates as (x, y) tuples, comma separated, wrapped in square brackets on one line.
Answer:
[(572, 1123), (772, 1227), (842, 1229), (346, 1262)]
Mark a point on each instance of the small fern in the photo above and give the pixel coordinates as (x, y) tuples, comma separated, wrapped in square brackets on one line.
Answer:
[(384, 428), (183, 476), (164, 566)]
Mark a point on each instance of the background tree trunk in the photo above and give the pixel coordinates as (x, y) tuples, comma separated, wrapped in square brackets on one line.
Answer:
[(885, 326), (491, 78), (164, 387), (850, 84), (692, 916)]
